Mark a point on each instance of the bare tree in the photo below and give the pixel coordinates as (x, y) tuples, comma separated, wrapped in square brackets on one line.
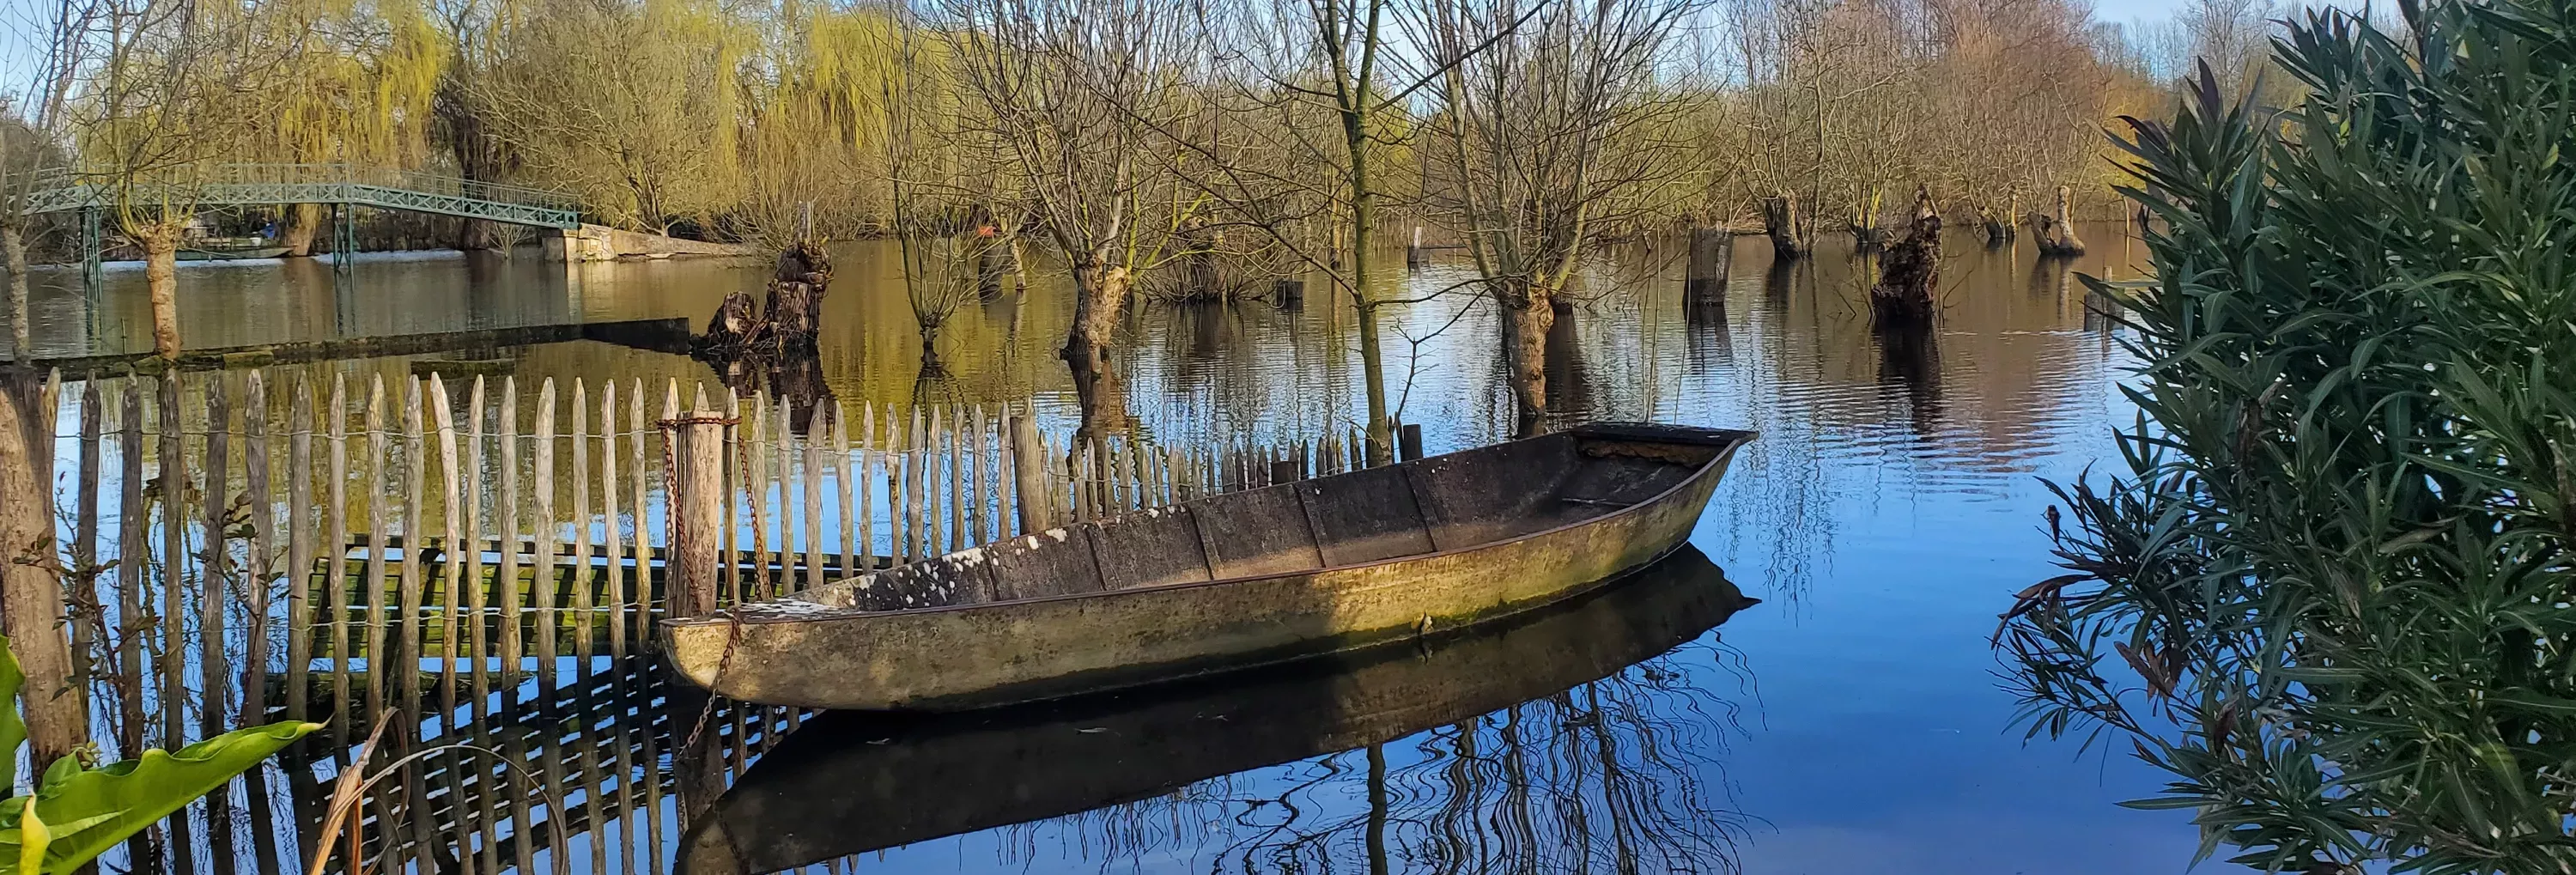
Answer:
[(177, 86), (1075, 92), (31, 586), (939, 273), (1551, 127), (1325, 88), (31, 142)]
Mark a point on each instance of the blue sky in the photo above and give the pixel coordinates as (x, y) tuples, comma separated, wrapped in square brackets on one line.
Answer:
[(2121, 11)]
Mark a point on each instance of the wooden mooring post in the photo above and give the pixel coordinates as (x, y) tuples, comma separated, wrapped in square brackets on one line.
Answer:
[(698, 500)]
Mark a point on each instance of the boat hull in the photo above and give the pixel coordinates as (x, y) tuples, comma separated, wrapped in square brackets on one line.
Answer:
[(982, 655), (851, 783)]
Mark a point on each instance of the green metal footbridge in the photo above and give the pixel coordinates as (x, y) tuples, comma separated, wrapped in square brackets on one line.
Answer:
[(336, 184), (340, 186)]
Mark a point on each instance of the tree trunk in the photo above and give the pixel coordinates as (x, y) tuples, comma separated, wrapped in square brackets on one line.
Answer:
[(1780, 220), (1381, 437), (302, 222), (1711, 250), (2056, 234), (1101, 396), (13, 258), (1527, 316), (31, 589), (1910, 272), (1099, 290), (161, 275)]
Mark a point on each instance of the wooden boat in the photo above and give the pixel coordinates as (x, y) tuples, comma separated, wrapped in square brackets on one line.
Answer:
[(229, 254), (850, 783), (1225, 581)]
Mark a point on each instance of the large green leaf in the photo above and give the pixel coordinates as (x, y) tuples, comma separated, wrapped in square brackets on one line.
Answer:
[(91, 811), (13, 728)]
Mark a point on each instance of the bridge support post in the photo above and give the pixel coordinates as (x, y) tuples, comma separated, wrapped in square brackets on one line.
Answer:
[(344, 236), (93, 274)]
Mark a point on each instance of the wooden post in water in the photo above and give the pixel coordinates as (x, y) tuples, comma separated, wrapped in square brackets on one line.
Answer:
[(1412, 441), (614, 598), (478, 596), (512, 651), (174, 560), (697, 512), (845, 483), (378, 495), (813, 500), (85, 540), (254, 673), (1028, 472), (638, 626), (547, 545), (132, 545), (211, 675)]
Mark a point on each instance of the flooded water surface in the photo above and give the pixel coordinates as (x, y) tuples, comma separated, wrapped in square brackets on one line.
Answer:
[(1806, 688)]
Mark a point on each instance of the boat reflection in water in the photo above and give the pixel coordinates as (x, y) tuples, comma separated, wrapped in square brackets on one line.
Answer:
[(1578, 737)]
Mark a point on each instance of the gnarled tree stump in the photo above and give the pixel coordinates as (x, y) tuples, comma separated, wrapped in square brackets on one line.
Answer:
[(1789, 234), (788, 319), (1910, 272)]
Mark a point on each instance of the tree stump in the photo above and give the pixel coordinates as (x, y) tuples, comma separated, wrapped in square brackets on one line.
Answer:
[(733, 326), (1780, 220), (2056, 234), (1910, 272), (1705, 273), (787, 320)]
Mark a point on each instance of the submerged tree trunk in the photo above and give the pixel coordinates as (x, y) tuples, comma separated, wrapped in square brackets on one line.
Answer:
[(930, 364), (13, 258), (1381, 430), (1099, 290), (1788, 233), (303, 221), (1528, 313), (1910, 273), (789, 318), (1101, 396), (1704, 273), (31, 588), (2000, 228), (161, 277), (2056, 234)]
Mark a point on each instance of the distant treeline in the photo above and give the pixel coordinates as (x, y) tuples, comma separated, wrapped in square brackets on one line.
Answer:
[(725, 120)]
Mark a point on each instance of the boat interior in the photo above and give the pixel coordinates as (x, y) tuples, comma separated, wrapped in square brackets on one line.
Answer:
[(1442, 503)]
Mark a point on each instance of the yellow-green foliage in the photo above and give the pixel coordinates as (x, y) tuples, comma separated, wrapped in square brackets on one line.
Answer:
[(738, 116)]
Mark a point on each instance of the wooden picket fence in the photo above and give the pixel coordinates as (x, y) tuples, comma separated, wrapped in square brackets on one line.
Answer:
[(469, 558)]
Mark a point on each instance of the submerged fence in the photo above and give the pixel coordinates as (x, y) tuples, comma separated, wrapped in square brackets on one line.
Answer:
[(479, 571)]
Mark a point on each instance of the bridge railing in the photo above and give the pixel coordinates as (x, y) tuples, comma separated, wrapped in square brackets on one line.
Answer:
[(65, 188)]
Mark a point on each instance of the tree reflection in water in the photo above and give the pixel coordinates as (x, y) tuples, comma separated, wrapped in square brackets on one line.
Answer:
[(1622, 775), (1616, 775)]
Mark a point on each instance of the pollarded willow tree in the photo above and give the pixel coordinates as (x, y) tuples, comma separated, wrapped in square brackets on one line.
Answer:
[(1551, 126), (1074, 96), (177, 88)]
